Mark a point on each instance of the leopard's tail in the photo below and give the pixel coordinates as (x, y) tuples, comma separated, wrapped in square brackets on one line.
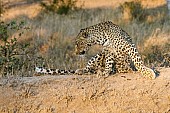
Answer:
[(41, 71)]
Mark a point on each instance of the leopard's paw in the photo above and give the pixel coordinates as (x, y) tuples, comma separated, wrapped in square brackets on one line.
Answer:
[(149, 73), (102, 74)]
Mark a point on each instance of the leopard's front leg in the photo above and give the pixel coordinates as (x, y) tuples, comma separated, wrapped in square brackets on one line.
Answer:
[(93, 64), (109, 63)]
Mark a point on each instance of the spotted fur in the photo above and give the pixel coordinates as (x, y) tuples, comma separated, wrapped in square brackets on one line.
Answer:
[(120, 51), (41, 70)]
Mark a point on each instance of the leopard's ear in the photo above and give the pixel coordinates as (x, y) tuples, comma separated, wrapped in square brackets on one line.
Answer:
[(84, 33), (82, 30)]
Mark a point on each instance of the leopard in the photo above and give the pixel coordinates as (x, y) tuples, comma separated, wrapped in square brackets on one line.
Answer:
[(119, 54), (119, 50)]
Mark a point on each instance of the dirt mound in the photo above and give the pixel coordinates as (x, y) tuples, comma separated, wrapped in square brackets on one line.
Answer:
[(120, 93)]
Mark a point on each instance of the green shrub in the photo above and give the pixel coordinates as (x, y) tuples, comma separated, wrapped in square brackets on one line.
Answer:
[(11, 51), (60, 6)]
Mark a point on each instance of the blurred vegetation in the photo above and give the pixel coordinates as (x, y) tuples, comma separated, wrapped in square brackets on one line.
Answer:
[(156, 50), (2, 8), (60, 6), (11, 51), (134, 10)]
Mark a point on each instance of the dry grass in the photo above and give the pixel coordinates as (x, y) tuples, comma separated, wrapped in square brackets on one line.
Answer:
[(29, 11), (157, 39), (52, 36), (155, 47)]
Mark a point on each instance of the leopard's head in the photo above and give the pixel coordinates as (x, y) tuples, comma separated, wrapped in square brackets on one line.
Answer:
[(82, 42)]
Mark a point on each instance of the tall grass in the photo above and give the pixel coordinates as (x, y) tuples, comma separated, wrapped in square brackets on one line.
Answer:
[(52, 36)]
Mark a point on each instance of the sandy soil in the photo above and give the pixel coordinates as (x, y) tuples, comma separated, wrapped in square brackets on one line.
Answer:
[(119, 93)]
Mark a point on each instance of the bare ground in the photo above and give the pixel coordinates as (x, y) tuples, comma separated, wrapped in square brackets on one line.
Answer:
[(120, 93)]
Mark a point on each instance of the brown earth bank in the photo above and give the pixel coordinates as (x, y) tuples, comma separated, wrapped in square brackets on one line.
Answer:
[(119, 93)]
